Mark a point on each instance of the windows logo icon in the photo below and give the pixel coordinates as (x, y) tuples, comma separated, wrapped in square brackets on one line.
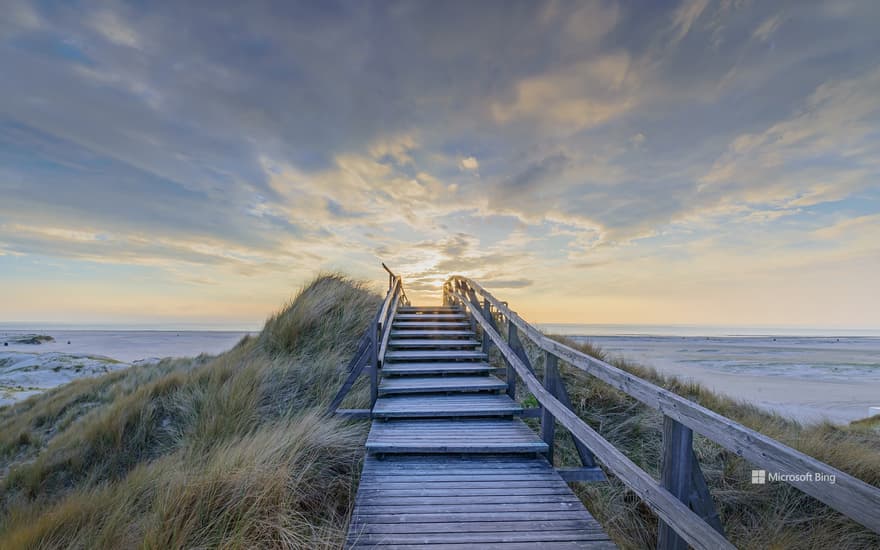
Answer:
[(759, 477)]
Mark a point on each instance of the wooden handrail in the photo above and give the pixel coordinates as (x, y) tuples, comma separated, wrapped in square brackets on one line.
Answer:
[(389, 297), (693, 529), (388, 323), (371, 348), (848, 495)]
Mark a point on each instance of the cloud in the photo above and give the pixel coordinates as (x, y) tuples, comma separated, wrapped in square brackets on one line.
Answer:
[(577, 96), (115, 29), (469, 163), (767, 28), (300, 138), (685, 16), (779, 164)]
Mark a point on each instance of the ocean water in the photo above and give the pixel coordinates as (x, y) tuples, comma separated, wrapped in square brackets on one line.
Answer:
[(806, 374), (809, 375), (128, 345)]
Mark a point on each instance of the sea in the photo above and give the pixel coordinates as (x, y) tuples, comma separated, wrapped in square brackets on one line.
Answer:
[(802, 373)]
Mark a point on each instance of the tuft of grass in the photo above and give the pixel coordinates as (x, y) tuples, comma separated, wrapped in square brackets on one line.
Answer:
[(226, 451), (754, 516)]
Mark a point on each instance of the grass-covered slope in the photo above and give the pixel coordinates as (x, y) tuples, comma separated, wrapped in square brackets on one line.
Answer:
[(774, 515), (226, 452)]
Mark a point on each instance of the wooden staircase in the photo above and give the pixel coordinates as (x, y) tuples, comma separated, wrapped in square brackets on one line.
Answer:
[(449, 462)]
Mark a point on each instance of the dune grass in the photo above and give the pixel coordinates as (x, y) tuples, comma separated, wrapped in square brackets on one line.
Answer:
[(774, 515), (232, 451), (235, 451)]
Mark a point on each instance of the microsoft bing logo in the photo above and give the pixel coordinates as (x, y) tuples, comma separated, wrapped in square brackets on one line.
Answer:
[(759, 477)]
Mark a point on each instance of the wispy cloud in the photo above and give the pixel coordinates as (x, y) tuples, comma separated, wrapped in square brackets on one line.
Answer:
[(593, 148)]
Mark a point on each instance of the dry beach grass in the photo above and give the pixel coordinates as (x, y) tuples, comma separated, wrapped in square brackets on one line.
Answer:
[(226, 452), (234, 451), (774, 515)]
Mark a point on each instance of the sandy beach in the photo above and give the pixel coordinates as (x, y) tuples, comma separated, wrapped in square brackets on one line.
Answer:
[(809, 379), (28, 369)]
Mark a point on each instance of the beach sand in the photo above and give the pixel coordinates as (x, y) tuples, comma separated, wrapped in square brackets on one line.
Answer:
[(808, 379), (804, 400)]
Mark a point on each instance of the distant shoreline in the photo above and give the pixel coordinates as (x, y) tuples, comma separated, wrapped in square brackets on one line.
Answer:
[(568, 329)]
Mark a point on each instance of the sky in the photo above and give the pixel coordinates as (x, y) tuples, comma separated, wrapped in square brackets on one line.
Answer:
[(699, 162)]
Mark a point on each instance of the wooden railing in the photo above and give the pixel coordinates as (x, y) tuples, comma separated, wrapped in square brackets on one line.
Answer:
[(371, 348), (680, 499)]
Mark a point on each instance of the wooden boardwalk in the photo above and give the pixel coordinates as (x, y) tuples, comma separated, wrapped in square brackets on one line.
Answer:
[(449, 462)]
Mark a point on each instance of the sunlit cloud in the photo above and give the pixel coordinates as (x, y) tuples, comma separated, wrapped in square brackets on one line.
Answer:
[(592, 161)]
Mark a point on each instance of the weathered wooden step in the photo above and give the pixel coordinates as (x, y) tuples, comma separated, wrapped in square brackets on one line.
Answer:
[(434, 355), (429, 309), (436, 384), (439, 406), (409, 369), (468, 436), (430, 325), (430, 316), (395, 334), (472, 501), (399, 343)]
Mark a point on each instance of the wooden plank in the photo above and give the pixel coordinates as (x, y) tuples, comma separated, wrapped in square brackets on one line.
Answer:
[(548, 423), (433, 334), (476, 502), (405, 343), (353, 375), (546, 545), (430, 325), (463, 367), (385, 327), (440, 503), (701, 499), (386, 303), (691, 527), (445, 406), (360, 356), (418, 355), (561, 393), (502, 524), (848, 495), (430, 309), (431, 477), (374, 364), (453, 436), (675, 475), (429, 384), (366, 510), (582, 474), (534, 537), (432, 316), (436, 492), (470, 484)]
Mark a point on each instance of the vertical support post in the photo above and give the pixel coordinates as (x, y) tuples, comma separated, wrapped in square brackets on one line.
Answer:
[(487, 314), (511, 373), (548, 421), (675, 475), (374, 363)]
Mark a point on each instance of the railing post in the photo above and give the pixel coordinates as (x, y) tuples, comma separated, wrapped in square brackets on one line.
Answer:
[(548, 422), (374, 363), (675, 475), (487, 314), (511, 373)]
